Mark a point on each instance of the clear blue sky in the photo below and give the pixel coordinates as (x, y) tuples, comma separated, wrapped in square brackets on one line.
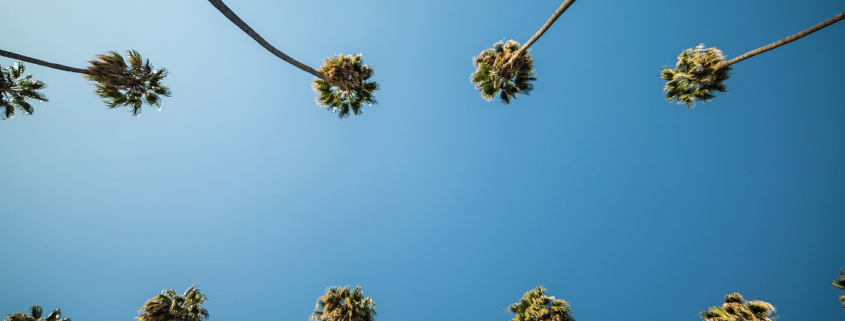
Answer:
[(440, 204)]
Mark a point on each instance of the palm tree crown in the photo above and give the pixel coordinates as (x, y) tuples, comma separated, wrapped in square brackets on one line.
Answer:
[(35, 315), (127, 84), (345, 87), (839, 283), (15, 89), (536, 306), (736, 308), (343, 304), (168, 306), (696, 76), (496, 75)]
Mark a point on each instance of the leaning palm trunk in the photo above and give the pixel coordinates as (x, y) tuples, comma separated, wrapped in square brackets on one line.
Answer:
[(246, 28), (44, 63), (784, 41), (560, 10), (701, 72), (342, 84)]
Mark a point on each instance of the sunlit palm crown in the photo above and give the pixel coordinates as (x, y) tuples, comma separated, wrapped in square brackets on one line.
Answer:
[(35, 315), (737, 309), (347, 87), (15, 89), (168, 306), (494, 76), (840, 284), (127, 83), (695, 77), (343, 304), (536, 306)]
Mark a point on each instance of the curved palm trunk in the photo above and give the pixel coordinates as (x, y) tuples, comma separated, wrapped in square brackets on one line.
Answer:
[(43, 63), (784, 41), (241, 24), (543, 30)]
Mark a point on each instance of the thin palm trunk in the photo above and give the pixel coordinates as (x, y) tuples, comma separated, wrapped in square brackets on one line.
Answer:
[(543, 30), (784, 41), (241, 24), (43, 63)]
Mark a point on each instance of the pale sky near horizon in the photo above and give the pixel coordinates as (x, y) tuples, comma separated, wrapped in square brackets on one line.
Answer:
[(593, 186)]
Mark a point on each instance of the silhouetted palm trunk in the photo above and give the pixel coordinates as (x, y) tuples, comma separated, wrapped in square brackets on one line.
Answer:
[(784, 41), (543, 30), (43, 63), (241, 24)]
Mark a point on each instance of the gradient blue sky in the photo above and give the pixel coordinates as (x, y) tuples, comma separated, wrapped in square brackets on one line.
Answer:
[(440, 204)]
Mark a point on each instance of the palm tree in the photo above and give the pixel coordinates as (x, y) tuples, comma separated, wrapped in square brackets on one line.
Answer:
[(736, 308), (15, 89), (342, 304), (119, 83), (35, 315), (701, 72), (507, 69), (839, 283), (168, 306), (535, 305), (341, 84)]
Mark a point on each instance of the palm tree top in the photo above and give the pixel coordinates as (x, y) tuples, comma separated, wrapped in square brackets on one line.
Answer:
[(496, 74), (736, 308), (35, 313), (696, 77), (343, 304), (535, 305), (346, 85), (16, 88), (839, 283), (169, 306), (127, 83)]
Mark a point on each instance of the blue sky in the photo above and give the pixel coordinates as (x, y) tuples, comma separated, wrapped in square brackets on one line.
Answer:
[(438, 203)]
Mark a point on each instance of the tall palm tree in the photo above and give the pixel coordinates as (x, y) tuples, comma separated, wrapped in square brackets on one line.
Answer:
[(535, 305), (736, 308), (168, 306), (839, 283), (343, 304), (15, 89), (119, 83), (342, 83), (507, 69), (35, 315), (701, 72)]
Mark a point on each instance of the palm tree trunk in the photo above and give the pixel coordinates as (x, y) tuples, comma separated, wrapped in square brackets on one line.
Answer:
[(43, 63), (241, 24), (784, 41), (543, 30)]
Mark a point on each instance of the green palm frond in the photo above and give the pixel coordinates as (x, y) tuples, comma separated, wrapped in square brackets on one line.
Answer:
[(16, 88), (696, 76), (169, 306), (129, 82), (839, 283), (494, 76), (347, 86), (343, 304), (736, 308), (536, 306)]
